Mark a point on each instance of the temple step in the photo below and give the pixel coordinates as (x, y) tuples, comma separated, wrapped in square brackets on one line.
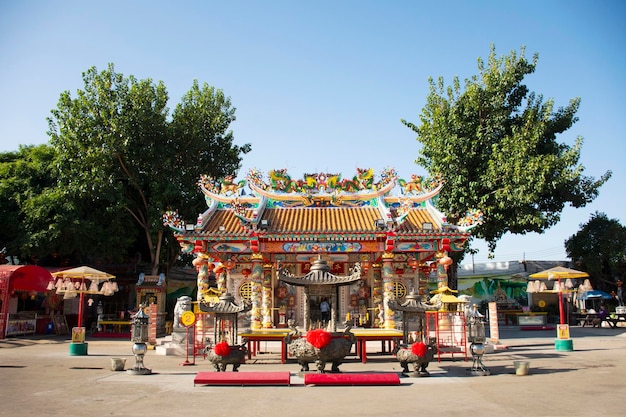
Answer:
[(352, 379), (242, 378)]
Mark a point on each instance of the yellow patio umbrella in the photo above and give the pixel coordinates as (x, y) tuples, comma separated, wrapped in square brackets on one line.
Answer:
[(558, 273), (77, 277)]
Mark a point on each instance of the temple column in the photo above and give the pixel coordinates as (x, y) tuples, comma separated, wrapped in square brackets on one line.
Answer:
[(305, 315), (377, 296), (201, 264), (332, 325), (442, 270), (388, 293), (257, 290), (266, 301)]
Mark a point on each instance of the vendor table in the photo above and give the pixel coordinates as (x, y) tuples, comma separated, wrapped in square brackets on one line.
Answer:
[(587, 319), (116, 324), (387, 338), (269, 335)]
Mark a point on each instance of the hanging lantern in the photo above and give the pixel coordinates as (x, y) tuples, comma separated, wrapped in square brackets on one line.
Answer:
[(254, 245), (198, 247), (445, 244), (446, 261), (229, 265), (364, 291), (281, 292)]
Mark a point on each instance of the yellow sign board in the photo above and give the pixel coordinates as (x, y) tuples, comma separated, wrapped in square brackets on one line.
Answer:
[(78, 335), (188, 318), (563, 331)]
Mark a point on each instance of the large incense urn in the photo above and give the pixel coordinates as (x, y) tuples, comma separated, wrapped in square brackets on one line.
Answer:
[(319, 347), (418, 354), (223, 354)]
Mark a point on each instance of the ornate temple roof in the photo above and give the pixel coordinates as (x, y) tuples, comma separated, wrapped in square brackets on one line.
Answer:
[(320, 275), (226, 305), (319, 206), (412, 304)]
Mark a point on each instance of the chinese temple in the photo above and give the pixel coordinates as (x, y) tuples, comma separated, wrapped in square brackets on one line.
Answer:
[(256, 229)]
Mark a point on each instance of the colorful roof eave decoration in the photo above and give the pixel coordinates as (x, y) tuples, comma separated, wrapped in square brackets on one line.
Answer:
[(228, 194)]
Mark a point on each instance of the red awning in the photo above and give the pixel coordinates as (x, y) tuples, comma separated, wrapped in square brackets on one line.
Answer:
[(27, 277)]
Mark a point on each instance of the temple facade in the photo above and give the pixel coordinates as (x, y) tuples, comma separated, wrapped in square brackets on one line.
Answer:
[(261, 228)]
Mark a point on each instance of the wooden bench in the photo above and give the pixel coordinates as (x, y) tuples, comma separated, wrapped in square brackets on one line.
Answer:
[(352, 379), (242, 378)]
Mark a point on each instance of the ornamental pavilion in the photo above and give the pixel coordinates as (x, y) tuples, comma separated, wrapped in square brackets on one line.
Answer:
[(254, 230)]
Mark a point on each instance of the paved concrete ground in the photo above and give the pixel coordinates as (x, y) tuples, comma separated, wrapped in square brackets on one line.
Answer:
[(38, 377)]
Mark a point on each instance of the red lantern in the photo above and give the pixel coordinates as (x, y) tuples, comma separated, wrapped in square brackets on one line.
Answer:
[(354, 300), (389, 243), (198, 247), (364, 292), (246, 272), (254, 246), (281, 292), (445, 244), (446, 261)]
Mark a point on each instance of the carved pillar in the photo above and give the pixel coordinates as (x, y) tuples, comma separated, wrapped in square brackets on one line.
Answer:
[(266, 301), (257, 290), (442, 273), (388, 292), (377, 296), (334, 307), (305, 316), (201, 264)]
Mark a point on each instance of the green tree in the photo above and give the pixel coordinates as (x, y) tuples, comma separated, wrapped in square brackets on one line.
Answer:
[(115, 143), (494, 144), (599, 248), (42, 222)]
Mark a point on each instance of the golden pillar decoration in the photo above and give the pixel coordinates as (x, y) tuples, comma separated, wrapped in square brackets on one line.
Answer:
[(388, 290), (201, 264), (257, 289), (377, 296), (266, 300)]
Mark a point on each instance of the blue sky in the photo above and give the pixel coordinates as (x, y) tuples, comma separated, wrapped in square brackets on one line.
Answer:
[(322, 85)]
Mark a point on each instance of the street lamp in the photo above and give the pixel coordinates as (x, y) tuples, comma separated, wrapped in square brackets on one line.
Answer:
[(139, 337), (476, 336)]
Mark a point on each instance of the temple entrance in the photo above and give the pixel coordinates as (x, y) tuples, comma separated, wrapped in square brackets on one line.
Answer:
[(317, 293)]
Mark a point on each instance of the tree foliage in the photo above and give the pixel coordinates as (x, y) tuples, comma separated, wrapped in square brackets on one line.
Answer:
[(116, 144), (599, 248), (41, 221), (494, 144)]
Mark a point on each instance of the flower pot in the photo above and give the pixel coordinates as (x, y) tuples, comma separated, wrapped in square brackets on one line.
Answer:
[(117, 364), (521, 367)]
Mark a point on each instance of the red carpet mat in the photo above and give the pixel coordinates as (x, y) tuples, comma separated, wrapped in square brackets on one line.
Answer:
[(242, 378), (352, 379)]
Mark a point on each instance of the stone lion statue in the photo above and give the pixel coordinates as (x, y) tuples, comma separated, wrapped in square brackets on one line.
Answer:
[(182, 304)]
